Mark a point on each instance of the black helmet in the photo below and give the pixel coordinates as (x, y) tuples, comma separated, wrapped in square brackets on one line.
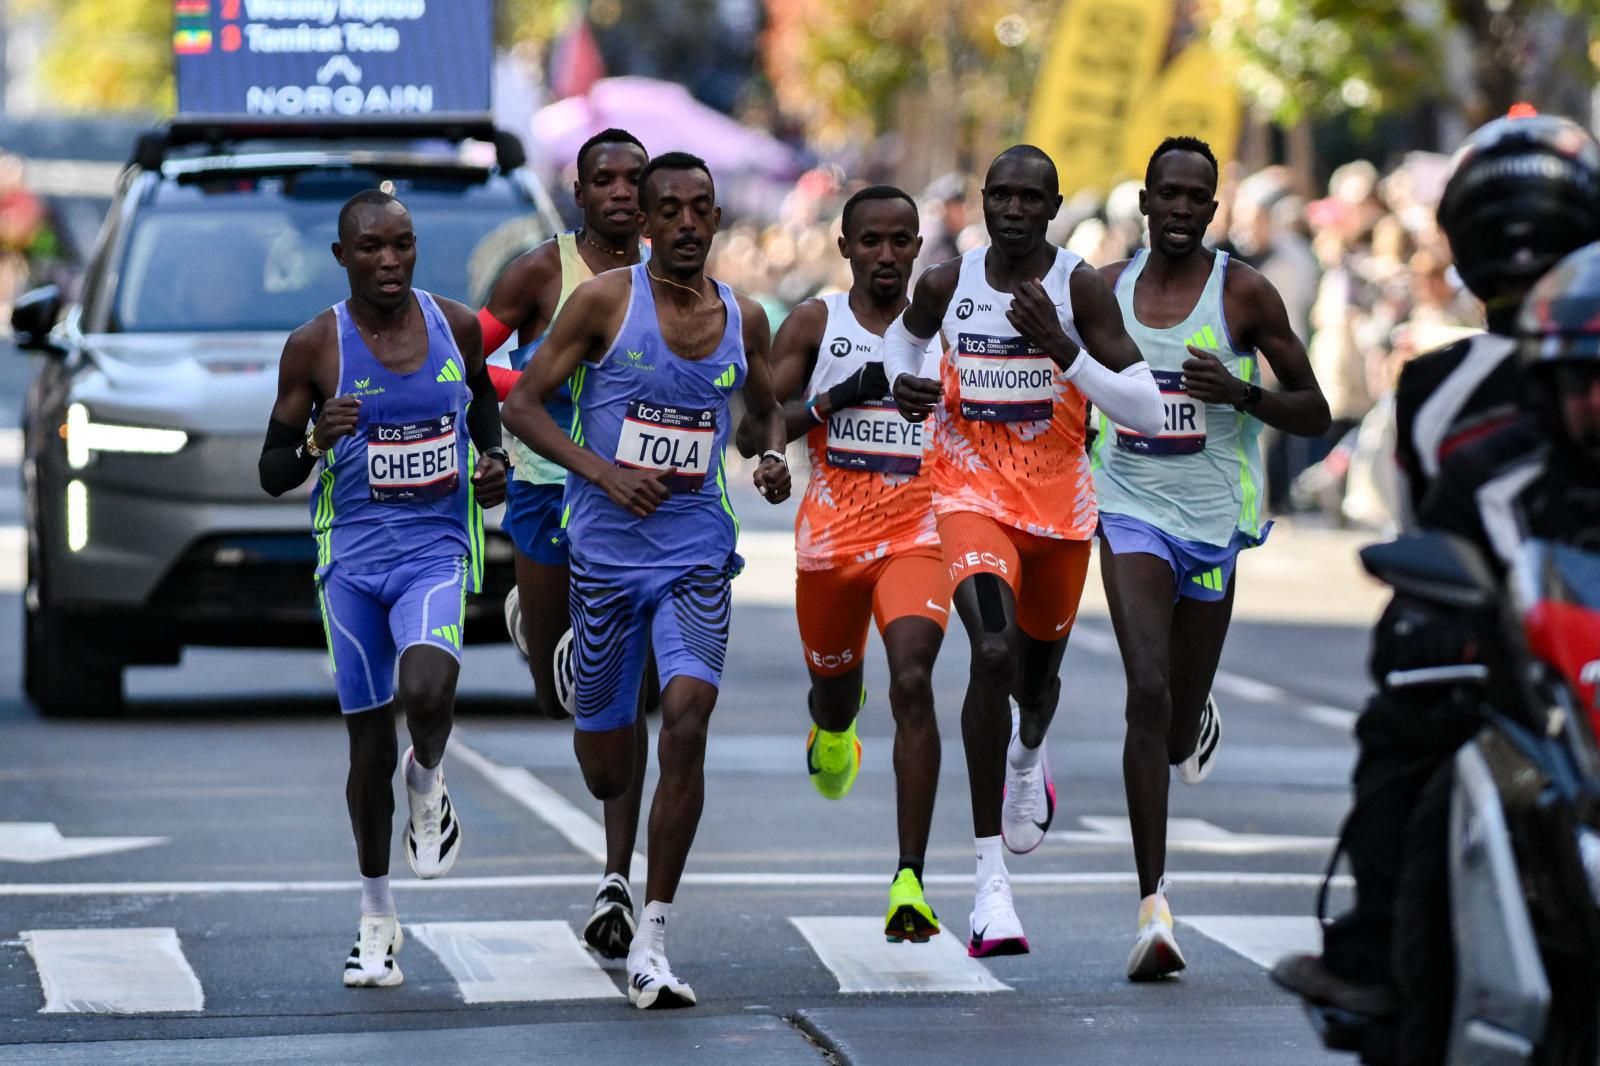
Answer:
[(1560, 318), (1523, 192)]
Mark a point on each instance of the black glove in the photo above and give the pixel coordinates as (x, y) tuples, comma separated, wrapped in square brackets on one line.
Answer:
[(868, 383)]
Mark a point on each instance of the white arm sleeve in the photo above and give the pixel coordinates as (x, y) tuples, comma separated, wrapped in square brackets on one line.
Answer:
[(903, 351), (1129, 398)]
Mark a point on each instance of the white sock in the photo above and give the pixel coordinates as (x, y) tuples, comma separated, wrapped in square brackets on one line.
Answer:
[(421, 778), (375, 896), (991, 859), (652, 932)]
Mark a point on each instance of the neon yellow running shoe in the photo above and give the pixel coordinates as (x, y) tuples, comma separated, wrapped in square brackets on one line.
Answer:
[(833, 759), (910, 917)]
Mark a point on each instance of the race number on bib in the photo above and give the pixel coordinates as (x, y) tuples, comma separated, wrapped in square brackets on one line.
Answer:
[(659, 436), (411, 461), (1003, 379), (1184, 430), (873, 436)]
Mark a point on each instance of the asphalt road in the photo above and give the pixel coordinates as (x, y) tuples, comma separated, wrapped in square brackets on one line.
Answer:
[(207, 918)]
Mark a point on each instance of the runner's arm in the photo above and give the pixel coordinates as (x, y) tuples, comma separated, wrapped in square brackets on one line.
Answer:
[(794, 354), (906, 342), (515, 302), (765, 414), (285, 460), (1298, 407), (493, 466), (1110, 371)]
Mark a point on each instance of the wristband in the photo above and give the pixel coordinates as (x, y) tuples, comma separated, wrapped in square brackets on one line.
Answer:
[(772, 453), (499, 453), (811, 409), (311, 445)]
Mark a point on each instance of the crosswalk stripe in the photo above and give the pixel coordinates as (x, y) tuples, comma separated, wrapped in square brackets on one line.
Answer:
[(862, 961), (1261, 938), (513, 962), (113, 971)]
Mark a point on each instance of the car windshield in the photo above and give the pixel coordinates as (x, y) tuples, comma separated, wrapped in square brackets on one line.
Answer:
[(252, 262)]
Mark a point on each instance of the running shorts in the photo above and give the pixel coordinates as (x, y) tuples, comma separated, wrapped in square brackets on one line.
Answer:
[(619, 613), (1200, 571), (1045, 574), (372, 619), (533, 521), (835, 605)]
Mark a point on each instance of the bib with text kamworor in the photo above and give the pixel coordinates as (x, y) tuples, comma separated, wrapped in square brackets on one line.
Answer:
[(659, 436), (873, 436), (1183, 430), (408, 461), (1003, 379)]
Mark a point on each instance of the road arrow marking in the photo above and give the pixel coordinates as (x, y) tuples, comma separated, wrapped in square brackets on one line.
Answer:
[(1192, 835), (43, 842)]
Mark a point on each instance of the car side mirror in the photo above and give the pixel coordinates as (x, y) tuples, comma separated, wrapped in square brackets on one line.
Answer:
[(33, 316), (1436, 567)]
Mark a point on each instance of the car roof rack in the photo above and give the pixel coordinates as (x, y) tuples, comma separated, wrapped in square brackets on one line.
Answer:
[(221, 132)]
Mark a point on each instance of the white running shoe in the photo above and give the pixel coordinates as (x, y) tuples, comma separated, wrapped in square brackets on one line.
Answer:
[(432, 839), (514, 622), (1029, 805), (1198, 766), (371, 963), (566, 673), (1155, 950), (653, 986), (610, 928), (995, 928)]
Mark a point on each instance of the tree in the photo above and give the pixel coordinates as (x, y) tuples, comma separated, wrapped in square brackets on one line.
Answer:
[(107, 55)]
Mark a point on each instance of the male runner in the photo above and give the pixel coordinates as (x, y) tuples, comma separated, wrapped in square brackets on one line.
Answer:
[(1178, 506), (865, 540), (393, 375), (1012, 491), (657, 349), (525, 300)]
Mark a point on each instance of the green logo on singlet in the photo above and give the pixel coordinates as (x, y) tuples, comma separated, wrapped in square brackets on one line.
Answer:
[(363, 383), (450, 372), (726, 378)]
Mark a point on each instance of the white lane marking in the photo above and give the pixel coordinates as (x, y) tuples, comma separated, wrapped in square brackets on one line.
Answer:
[(1095, 640), (1263, 939), (1225, 878), (515, 962), (544, 802), (1192, 835), (862, 961), (42, 842), (10, 447), (1248, 688), (13, 558), (113, 971), (1332, 717)]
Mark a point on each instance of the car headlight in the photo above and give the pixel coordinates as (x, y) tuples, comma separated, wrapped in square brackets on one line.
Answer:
[(85, 437), (1589, 850)]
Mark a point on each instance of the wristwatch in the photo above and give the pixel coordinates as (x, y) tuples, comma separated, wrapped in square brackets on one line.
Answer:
[(1252, 396), (312, 448), (772, 453), (499, 453)]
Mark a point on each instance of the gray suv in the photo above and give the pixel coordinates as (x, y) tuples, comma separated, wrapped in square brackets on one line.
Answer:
[(147, 527)]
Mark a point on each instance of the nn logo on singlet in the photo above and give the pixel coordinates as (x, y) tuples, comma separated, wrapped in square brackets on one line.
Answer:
[(965, 308), (839, 347)]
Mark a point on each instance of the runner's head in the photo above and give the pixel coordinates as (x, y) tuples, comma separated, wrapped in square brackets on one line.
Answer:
[(1179, 195), (1559, 332), (377, 248), (878, 234), (1021, 194), (607, 187), (679, 204)]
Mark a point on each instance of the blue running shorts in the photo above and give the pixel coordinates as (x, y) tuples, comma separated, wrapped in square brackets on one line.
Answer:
[(371, 619), (1200, 571), (620, 613), (533, 520)]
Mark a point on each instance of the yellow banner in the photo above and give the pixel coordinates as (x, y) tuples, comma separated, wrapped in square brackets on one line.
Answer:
[(1103, 60), (1195, 97)]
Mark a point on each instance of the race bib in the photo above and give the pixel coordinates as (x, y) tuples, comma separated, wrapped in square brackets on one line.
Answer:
[(1003, 379), (412, 461), (659, 436), (873, 436), (1183, 430)]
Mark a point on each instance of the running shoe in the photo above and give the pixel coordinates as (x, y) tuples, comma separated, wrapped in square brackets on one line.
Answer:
[(1155, 951), (1030, 797), (566, 674), (1197, 767), (371, 963), (910, 917), (994, 924), (653, 985), (610, 927), (514, 622), (833, 760), (432, 839)]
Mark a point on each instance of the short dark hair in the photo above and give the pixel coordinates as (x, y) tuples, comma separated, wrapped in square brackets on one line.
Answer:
[(361, 199), (1183, 144), (672, 161), (1034, 152), (608, 136), (873, 192)]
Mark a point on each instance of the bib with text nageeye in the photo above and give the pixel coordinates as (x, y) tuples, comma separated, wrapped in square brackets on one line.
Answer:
[(873, 436), (658, 436), (1003, 379), (410, 461), (1183, 432)]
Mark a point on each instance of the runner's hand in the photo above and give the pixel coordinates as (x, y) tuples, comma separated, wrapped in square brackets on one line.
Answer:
[(867, 383), (1207, 380), (489, 482), (639, 492), (772, 480), (337, 419), (916, 396), (1038, 321)]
